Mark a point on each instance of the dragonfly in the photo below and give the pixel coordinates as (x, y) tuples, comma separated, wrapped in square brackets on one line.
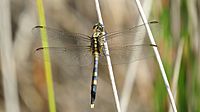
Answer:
[(83, 50)]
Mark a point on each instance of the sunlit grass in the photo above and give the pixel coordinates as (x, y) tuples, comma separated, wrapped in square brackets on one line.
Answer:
[(47, 64)]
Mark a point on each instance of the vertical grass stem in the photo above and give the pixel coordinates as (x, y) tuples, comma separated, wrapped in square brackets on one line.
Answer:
[(108, 61), (46, 56), (157, 55), (177, 70)]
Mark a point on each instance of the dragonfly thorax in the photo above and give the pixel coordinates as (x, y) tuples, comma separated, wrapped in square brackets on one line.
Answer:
[(96, 45), (98, 38)]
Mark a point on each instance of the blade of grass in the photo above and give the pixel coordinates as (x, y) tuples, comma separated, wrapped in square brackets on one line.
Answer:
[(108, 61), (7, 60), (164, 76), (47, 63), (177, 70)]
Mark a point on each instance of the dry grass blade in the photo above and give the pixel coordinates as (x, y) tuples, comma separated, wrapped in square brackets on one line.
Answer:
[(177, 70), (108, 61), (164, 76)]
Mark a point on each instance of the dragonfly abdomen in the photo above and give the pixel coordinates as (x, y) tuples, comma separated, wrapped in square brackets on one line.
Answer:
[(94, 79)]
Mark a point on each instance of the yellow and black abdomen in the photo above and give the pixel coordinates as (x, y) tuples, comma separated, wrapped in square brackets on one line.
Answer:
[(96, 51), (94, 79)]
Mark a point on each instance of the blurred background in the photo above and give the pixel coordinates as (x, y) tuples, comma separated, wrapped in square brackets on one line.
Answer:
[(140, 84)]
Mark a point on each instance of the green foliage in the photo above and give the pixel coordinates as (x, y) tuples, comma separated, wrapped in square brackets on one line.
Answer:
[(188, 91), (160, 94), (165, 24)]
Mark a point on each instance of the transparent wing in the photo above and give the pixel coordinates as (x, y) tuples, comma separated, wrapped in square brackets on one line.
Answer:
[(64, 47), (69, 56), (128, 54), (57, 37), (130, 45), (132, 36)]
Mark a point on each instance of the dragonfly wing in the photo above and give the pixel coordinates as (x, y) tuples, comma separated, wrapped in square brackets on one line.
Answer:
[(64, 47), (68, 56), (135, 35), (57, 37), (129, 45), (128, 54)]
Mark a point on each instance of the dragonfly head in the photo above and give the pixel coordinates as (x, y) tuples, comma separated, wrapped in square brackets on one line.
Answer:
[(98, 27)]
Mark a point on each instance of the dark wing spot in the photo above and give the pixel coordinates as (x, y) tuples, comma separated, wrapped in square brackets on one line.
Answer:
[(39, 27), (154, 21), (153, 45), (40, 48)]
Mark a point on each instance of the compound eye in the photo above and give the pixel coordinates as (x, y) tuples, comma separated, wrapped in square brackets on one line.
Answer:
[(100, 28), (94, 26)]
